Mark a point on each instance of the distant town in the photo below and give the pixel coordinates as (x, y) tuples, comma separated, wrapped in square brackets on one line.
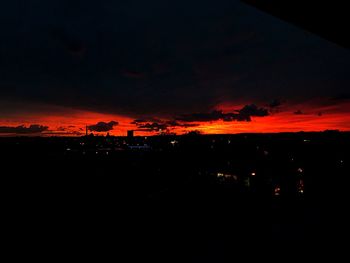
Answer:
[(261, 164)]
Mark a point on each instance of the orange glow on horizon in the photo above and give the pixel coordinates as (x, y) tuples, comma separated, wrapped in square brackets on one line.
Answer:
[(73, 122)]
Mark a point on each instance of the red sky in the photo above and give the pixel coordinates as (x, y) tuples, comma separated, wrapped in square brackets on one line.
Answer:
[(72, 122), (161, 62)]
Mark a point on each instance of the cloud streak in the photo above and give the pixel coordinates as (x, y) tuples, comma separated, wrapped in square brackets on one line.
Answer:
[(102, 126), (22, 129), (243, 114), (162, 126)]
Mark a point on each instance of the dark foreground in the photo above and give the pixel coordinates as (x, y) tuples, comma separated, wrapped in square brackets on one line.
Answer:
[(187, 198)]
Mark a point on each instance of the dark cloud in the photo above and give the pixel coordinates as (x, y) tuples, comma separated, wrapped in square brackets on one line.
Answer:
[(103, 126), (61, 128), (34, 128), (162, 126), (174, 123), (144, 120), (145, 58), (157, 127), (298, 112), (243, 114), (275, 103), (133, 74), (202, 117), (64, 133), (137, 121), (342, 96), (65, 128), (193, 133), (70, 43), (251, 110)]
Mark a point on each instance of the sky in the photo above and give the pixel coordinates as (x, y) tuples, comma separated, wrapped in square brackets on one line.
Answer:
[(162, 66)]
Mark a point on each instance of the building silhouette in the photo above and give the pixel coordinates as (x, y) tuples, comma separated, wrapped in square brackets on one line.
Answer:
[(130, 134)]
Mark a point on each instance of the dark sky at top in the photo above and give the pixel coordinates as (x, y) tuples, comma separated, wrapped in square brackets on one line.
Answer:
[(159, 57)]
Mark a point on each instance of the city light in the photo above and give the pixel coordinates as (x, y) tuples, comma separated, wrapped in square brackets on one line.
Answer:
[(219, 175), (277, 191), (300, 186), (174, 142)]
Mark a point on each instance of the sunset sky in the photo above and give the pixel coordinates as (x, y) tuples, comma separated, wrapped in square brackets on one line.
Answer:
[(164, 66)]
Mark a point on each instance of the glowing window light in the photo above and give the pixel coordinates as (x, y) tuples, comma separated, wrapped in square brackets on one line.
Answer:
[(277, 191), (173, 142), (300, 186), (220, 175)]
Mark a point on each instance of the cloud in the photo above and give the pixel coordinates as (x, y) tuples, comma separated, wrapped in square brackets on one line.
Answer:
[(133, 74), (34, 128), (153, 127), (342, 96), (144, 120), (61, 128), (194, 133), (174, 123), (70, 43), (243, 114), (275, 103), (64, 133), (298, 112), (251, 110), (65, 130), (162, 125), (103, 126), (202, 117)]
